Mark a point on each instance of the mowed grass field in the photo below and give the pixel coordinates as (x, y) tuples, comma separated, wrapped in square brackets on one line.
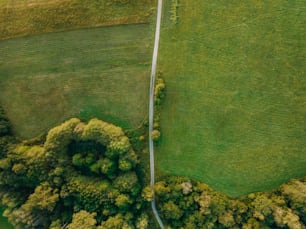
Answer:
[(234, 116), (101, 72)]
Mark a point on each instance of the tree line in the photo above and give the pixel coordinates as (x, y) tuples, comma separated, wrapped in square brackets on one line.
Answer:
[(184, 203)]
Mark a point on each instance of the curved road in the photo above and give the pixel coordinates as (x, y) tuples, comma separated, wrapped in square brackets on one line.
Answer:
[(151, 107)]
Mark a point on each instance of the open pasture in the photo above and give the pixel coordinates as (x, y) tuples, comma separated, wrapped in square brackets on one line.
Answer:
[(101, 72), (234, 116)]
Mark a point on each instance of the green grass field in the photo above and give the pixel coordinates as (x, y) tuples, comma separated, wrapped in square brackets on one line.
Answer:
[(102, 72), (234, 115)]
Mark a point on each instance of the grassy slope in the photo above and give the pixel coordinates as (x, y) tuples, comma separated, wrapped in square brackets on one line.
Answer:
[(88, 73), (22, 17), (234, 116)]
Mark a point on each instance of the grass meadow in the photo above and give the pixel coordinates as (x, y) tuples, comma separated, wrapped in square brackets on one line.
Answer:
[(101, 72), (234, 114)]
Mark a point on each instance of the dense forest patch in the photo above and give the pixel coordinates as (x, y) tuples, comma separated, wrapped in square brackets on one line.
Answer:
[(81, 175)]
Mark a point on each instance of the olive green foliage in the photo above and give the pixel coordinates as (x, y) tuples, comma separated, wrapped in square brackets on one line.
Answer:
[(184, 203), (155, 135), (295, 194), (6, 141), (5, 127), (82, 176), (84, 220), (24, 17), (159, 95), (159, 90)]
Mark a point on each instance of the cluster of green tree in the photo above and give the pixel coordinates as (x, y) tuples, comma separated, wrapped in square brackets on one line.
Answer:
[(189, 204), (79, 176), (5, 128), (159, 90), (6, 139), (159, 95)]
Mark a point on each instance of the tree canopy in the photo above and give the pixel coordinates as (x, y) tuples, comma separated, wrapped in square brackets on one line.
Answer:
[(184, 203), (5, 126), (81, 174)]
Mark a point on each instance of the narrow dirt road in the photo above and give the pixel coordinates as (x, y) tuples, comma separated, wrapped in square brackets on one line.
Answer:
[(151, 107)]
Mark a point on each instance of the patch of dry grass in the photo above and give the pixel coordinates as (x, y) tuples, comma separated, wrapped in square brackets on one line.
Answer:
[(24, 17)]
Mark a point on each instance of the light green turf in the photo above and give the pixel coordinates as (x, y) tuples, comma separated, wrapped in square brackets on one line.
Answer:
[(101, 72), (234, 114)]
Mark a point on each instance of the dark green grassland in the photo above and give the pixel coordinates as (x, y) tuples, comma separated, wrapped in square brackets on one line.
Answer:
[(234, 115)]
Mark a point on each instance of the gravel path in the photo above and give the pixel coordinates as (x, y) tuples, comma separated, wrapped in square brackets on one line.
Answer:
[(151, 107)]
